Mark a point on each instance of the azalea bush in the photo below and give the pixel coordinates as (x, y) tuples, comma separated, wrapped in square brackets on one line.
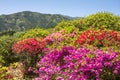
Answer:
[(64, 24), (33, 33), (29, 46), (77, 23), (102, 20), (79, 64), (28, 50), (100, 38), (61, 38)]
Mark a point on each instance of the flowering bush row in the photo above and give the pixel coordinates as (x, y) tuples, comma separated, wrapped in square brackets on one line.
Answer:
[(79, 64), (100, 38), (75, 62)]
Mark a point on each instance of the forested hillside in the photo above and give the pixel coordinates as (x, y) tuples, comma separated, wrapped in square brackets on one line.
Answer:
[(27, 20)]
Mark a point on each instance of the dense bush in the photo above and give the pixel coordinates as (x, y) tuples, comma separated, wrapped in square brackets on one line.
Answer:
[(5, 50), (79, 64), (33, 33), (62, 38), (18, 35), (28, 50), (29, 46), (100, 38), (67, 25), (102, 20)]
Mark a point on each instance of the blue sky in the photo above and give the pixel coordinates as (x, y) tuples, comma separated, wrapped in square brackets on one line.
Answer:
[(73, 8)]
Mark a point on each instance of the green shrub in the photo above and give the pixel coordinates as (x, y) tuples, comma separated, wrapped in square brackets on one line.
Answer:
[(68, 24), (18, 34), (5, 49), (33, 33), (102, 20), (1, 61)]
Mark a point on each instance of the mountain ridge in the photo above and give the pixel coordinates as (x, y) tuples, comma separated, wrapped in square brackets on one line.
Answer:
[(27, 19)]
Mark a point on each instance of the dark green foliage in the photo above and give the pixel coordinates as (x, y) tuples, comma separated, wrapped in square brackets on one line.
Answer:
[(9, 32), (5, 50)]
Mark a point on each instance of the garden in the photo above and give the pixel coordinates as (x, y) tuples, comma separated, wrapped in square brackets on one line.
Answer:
[(82, 49)]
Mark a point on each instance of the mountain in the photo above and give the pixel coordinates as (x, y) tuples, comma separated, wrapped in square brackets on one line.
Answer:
[(27, 19)]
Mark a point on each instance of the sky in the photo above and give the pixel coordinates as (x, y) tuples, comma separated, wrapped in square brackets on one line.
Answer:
[(73, 8)]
